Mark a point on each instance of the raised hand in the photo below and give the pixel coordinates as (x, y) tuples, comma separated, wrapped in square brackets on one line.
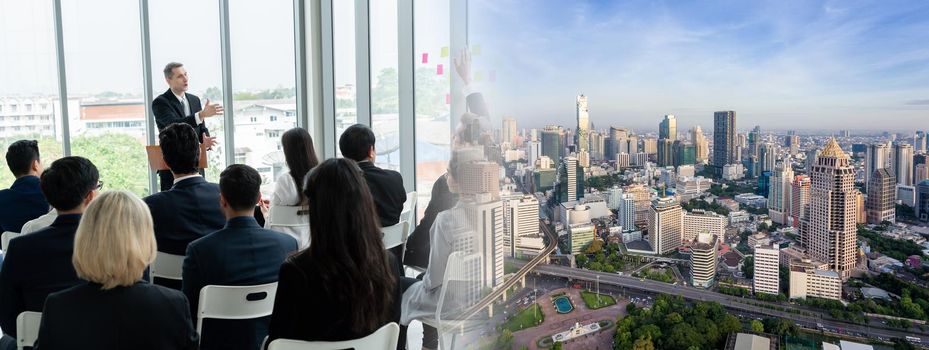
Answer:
[(210, 110), (463, 65), (208, 141)]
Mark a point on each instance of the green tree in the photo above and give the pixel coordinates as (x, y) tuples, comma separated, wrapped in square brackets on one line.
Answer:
[(682, 336), (505, 340), (643, 344), (385, 97), (757, 326), (557, 345), (748, 267), (596, 266), (594, 247), (581, 260)]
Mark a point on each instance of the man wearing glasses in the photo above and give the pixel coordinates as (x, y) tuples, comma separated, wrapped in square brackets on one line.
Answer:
[(177, 106)]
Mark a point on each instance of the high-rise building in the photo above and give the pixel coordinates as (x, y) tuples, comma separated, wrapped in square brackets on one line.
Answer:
[(920, 141), (581, 236), (767, 270), (920, 173), (569, 182), (486, 219), (793, 144), (767, 157), (534, 151), (509, 130), (480, 178), (632, 142), (583, 124), (650, 145), (833, 213), (753, 141), (665, 225), (878, 157), (800, 198), (779, 196), (521, 219), (625, 212), (642, 197), (903, 163), (597, 145), (667, 129), (811, 156), (724, 140), (684, 153), (665, 152), (551, 143), (622, 160), (881, 195), (699, 220), (701, 144), (922, 201), (618, 141), (703, 260)]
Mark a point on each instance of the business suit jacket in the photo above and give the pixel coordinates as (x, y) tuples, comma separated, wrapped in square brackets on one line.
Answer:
[(388, 192), (168, 110), (36, 265), (22, 202), (240, 254), (141, 316), (186, 212)]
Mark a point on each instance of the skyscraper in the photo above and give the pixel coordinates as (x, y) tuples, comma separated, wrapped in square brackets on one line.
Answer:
[(922, 201), (551, 144), (665, 225), (569, 182), (881, 195), (597, 146), (903, 163), (919, 141), (767, 157), (811, 156), (800, 198), (921, 173), (779, 197), (650, 145), (724, 140), (583, 124), (665, 152), (701, 144), (617, 142), (793, 144), (625, 212), (533, 151), (703, 260), (641, 195), (509, 130), (667, 129), (522, 219), (878, 157), (684, 153), (767, 268), (832, 220)]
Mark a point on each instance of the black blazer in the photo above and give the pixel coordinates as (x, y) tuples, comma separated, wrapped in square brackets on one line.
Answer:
[(388, 192), (187, 211), (22, 202), (36, 265), (168, 110), (241, 254), (141, 316)]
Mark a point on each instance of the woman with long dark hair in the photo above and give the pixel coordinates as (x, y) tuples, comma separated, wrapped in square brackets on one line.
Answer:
[(300, 156), (343, 286)]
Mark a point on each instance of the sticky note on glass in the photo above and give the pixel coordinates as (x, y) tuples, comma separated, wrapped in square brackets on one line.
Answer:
[(425, 58), (476, 50), (478, 76), (448, 99), (445, 51), (439, 70)]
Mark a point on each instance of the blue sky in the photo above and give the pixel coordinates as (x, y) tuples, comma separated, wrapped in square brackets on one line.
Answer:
[(779, 64)]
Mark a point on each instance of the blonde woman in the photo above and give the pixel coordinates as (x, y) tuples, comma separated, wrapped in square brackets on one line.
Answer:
[(115, 308)]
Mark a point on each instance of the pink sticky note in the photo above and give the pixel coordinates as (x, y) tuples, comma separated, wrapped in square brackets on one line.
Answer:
[(425, 58), (448, 99), (439, 70)]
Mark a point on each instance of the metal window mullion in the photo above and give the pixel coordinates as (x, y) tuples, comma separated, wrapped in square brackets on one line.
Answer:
[(458, 37), (313, 59), (406, 92), (147, 94), (62, 79), (327, 72), (300, 61), (363, 62), (226, 56)]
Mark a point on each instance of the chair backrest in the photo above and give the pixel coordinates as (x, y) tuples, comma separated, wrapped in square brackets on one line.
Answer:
[(235, 302), (168, 266), (384, 338), (395, 235), (289, 216), (5, 239), (461, 282), (27, 329)]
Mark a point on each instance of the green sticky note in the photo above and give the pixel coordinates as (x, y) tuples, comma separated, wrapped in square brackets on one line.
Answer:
[(445, 51)]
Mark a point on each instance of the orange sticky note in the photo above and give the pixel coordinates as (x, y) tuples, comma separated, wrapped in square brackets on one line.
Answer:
[(439, 70)]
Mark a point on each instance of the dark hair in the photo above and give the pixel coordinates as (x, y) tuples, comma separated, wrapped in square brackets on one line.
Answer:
[(169, 69), (180, 148), (20, 154), (348, 251), (68, 181), (240, 185), (356, 141), (299, 154)]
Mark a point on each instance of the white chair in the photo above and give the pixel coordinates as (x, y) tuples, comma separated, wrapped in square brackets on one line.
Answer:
[(5, 239), (235, 302), (409, 215), (384, 338), (27, 329), (395, 235), (289, 216), (461, 283), (168, 266)]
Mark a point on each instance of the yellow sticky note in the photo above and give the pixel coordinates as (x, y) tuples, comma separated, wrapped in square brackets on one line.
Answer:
[(476, 50), (445, 51), (478, 76)]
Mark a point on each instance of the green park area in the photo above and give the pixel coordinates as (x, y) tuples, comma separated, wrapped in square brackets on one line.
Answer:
[(593, 302), (529, 317)]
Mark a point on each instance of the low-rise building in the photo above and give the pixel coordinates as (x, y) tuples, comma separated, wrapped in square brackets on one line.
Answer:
[(699, 220), (751, 199), (806, 282)]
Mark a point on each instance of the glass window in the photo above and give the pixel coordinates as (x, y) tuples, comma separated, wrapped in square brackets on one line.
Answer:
[(263, 83), (187, 31), (28, 76), (343, 44), (104, 77), (385, 84), (432, 94)]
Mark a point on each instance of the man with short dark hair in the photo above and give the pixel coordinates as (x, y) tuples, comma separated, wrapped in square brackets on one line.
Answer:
[(23, 201), (357, 143), (242, 253), (190, 209), (178, 106), (39, 263)]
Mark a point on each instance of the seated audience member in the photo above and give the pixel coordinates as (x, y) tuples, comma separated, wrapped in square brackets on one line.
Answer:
[(357, 143), (241, 254), (115, 308), (40, 222), (300, 156), (344, 286), (40, 263), (23, 201), (190, 209)]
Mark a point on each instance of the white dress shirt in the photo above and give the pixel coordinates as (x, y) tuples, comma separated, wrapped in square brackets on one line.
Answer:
[(40, 222), (285, 194), (183, 99)]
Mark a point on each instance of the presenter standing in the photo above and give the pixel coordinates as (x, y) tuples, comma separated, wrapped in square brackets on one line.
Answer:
[(178, 106)]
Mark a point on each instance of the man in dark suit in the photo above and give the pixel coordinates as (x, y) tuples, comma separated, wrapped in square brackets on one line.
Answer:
[(39, 263), (23, 201), (190, 209), (241, 254), (357, 143), (177, 106)]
